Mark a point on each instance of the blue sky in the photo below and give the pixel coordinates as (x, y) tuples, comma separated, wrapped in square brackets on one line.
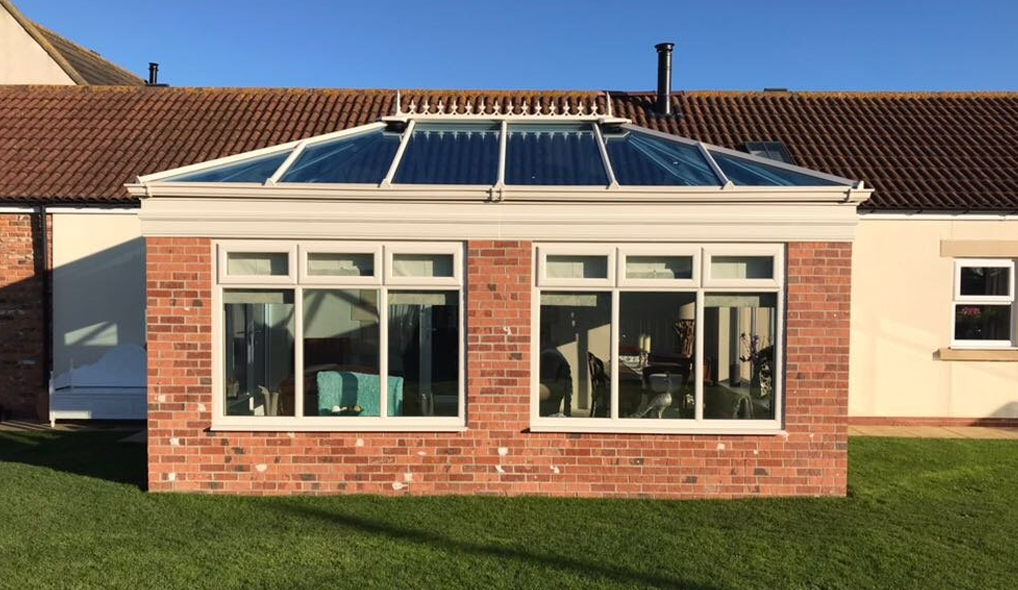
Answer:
[(525, 44)]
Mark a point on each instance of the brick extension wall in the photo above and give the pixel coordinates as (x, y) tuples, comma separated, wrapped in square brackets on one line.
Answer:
[(496, 455), (23, 379)]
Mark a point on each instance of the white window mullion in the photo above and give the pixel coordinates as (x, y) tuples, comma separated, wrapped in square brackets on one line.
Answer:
[(613, 356), (399, 154), (503, 140), (383, 358), (698, 357), (298, 352)]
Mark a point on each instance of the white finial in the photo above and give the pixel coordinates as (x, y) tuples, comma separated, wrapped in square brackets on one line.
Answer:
[(441, 107), (537, 108), (524, 108), (399, 110), (468, 108), (565, 107), (496, 108), (413, 107), (509, 107), (481, 108), (453, 107), (552, 108), (608, 102), (426, 109)]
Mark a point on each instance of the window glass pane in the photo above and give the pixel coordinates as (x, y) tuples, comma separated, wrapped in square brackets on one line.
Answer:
[(547, 154), (422, 265), (424, 353), (337, 264), (260, 264), (659, 267), (362, 158), (258, 355), (746, 172), (982, 322), (575, 355), (569, 266), (742, 267), (985, 280), (739, 338), (254, 170), (657, 339), (639, 159), (450, 154)]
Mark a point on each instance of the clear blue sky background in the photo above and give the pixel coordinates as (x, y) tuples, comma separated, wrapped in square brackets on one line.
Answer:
[(548, 44)]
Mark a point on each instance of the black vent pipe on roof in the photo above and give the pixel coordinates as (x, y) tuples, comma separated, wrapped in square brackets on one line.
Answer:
[(664, 78), (153, 75)]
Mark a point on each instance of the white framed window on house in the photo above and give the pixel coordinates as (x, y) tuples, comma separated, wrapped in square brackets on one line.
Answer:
[(339, 335), (658, 338), (983, 308)]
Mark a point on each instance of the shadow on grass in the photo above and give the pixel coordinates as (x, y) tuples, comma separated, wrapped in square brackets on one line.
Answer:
[(593, 571), (95, 454)]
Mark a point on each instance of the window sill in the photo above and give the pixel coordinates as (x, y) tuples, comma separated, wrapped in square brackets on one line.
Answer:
[(685, 430), (305, 426), (978, 354)]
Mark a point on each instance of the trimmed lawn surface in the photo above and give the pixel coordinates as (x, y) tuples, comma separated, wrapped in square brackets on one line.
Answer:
[(922, 514)]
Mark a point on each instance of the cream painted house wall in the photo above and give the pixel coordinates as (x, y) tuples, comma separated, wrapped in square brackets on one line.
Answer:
[(98, 289), (901, 315), (22, 60)]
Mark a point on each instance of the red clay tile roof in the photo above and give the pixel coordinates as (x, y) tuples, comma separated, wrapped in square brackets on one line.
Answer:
[(89, 65), (921, 152)]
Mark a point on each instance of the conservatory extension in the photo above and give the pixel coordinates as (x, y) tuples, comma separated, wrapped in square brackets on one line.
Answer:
[(502, 303)]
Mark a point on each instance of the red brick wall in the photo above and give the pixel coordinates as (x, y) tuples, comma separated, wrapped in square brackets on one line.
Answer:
[(23, 379), (496, 455)]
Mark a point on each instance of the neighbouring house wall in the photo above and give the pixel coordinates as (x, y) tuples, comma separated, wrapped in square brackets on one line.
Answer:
[(901, 315), (23, 379), (98, 290), (22, 59), (497, 454)]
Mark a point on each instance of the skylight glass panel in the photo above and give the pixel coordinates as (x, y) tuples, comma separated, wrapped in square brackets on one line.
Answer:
[(254, 170), (644, 160), (362, 158), (450, 154), (746, 172), (773, 150), (553, 154)]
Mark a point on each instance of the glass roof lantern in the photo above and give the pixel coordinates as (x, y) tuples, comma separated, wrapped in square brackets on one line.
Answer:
[(473, 150)]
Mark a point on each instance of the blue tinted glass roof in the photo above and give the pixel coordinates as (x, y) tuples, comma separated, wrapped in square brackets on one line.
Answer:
[(254, 170), (439, 153), (549, 151), (639, 159), (553, 154), (746, 172), (361, 158)]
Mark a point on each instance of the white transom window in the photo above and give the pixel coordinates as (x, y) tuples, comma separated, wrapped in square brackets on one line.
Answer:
[(657, 338), (339, 335), (983, 309)]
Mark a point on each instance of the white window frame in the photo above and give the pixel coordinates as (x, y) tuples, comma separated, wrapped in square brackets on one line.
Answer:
[(545, 250), (452, 248), (256, 246), (372, 248), (773, 250), (961, 300), (698, 285), (298, 284)]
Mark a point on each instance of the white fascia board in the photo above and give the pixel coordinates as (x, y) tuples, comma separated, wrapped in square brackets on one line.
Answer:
[(598, 222), (443, 193), (75, 210), (17, 210)]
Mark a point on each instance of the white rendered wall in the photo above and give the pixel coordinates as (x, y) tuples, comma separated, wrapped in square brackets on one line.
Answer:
[(901, 317)]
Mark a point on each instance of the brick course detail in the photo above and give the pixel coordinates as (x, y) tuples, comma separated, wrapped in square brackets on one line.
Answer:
[(497, 454), (23, 379)]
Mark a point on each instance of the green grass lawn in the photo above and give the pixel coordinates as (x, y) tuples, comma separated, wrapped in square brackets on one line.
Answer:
[(922, 514)]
